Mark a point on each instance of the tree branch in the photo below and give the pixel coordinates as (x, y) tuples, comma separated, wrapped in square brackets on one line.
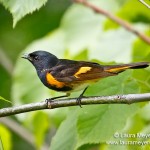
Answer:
[(114, 99), (114, 18), (144, 3), (6, 62), (22, 132)]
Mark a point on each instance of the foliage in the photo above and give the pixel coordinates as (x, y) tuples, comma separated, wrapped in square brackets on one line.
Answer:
[(20, 8), (81, 35), (5, 141)]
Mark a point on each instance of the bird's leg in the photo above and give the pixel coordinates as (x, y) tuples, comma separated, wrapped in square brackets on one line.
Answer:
[(57, 97), (80, 97), (49, 100)]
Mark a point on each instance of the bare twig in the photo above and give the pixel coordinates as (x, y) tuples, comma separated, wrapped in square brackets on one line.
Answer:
[(14, 126), (6, 62), (115, 99), (144, 3), (114, 18), (21, 131)]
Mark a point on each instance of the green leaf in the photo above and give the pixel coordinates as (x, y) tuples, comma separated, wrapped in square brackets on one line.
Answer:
[(144, 113), (96, 123), (139, 14), (100, 125), (133, 126), (1, 144), (1, 98), (120, 84), (65, 137), (141, 52), (79, 36), (142, 77), (5, 137), (40, 126), (83, 55), (20, 8)]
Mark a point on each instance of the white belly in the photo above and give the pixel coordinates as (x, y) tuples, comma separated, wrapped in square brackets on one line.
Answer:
[(80, 87)]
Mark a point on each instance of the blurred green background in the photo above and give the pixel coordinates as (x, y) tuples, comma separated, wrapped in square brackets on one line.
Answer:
[(72, 31)]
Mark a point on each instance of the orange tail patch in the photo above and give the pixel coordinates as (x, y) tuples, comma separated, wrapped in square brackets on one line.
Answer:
[(117, 69)]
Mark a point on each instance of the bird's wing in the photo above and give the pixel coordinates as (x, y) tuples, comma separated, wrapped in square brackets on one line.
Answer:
[(77, 71)]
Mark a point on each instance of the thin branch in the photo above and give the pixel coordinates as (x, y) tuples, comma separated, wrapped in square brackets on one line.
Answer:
[(6, 62), (21, 131), (14, 126), (144, 3), (114, 18), (114, 99)]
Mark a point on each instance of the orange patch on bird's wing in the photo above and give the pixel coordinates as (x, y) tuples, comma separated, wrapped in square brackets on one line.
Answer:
[(117, 69), (52, 81), (81, 71)]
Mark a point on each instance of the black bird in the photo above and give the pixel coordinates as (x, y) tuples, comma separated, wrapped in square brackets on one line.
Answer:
[(64, 75)]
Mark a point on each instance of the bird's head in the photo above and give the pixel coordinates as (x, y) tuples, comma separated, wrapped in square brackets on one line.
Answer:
[(41, 59)]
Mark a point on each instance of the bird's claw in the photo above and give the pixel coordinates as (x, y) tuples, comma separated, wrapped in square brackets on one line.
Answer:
[(49, 101)]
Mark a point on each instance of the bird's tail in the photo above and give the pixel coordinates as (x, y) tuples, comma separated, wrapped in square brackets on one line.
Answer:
[(121, 68)]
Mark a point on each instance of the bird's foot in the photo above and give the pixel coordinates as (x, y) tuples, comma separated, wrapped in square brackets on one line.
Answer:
[(78, 100)]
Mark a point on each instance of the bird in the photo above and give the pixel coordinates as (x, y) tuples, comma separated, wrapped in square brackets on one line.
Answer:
[(67, 76)]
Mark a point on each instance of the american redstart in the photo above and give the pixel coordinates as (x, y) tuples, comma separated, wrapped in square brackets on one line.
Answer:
[(64, 75)]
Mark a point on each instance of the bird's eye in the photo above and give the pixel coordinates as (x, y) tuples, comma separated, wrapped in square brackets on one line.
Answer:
[(36, 58)]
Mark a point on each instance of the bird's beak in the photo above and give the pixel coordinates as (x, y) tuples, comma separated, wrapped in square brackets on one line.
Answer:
[(25, 56)]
